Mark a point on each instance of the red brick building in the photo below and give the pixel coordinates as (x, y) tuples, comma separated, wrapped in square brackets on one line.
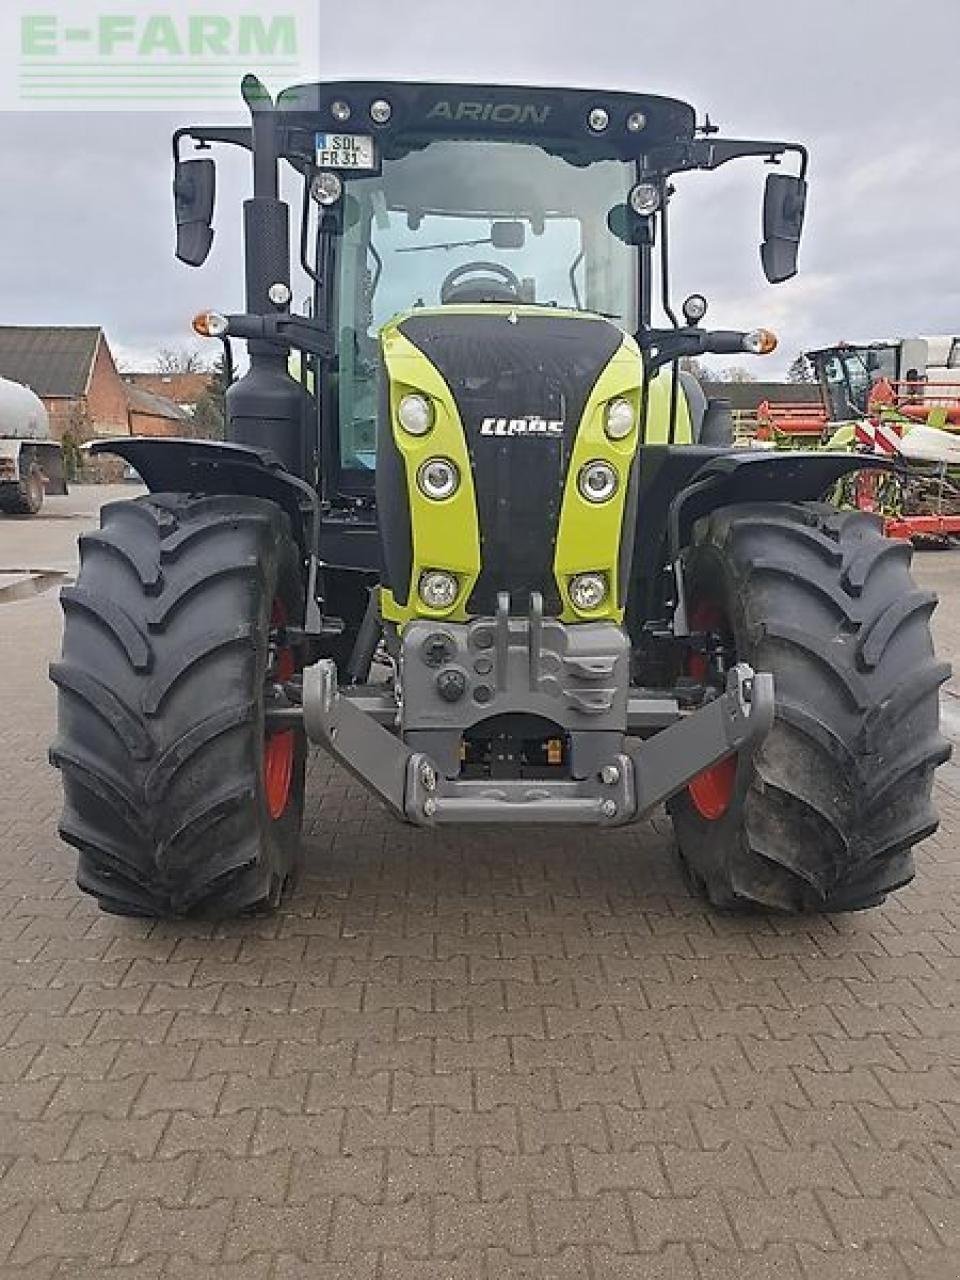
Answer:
[(184, 389), (153, 415), (74, 373)]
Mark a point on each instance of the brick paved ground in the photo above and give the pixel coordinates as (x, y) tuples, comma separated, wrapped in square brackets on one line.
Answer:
[(478, 1058)]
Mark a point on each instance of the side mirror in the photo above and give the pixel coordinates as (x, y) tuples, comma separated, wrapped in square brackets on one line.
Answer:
[(194, 193), (784, 204), (631, 228)]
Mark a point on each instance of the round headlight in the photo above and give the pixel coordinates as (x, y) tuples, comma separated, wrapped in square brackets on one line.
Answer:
[(597, 481), (415, 413), (588, 590), (438, 478), (636, 122), (645, 198), (694, 308), (279, 294), (620, 419), (340, 111), (598, 119), (380, 111), (438, 589), (326, 188)]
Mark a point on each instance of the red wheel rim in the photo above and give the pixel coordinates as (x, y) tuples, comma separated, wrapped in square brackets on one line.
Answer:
[(711, 791), (279, 746)]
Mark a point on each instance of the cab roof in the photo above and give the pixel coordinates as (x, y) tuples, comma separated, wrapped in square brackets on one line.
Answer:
[(554, 118)]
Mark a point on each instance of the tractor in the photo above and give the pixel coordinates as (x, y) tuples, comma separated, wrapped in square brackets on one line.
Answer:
[(475, 533)]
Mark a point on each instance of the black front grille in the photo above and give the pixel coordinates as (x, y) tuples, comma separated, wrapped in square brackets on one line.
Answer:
[(524, 377)]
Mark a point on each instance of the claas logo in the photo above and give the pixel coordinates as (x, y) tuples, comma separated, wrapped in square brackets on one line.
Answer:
[(530, 426)]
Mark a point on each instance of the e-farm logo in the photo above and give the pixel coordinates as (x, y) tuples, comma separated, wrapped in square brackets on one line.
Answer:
[(154, 54)]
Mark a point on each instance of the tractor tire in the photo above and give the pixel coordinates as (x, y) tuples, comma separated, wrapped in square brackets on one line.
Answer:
[(177, 798), (26, 498), (824, 816)]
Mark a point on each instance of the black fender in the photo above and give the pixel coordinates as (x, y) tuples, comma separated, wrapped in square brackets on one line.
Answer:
[(676, 485), (171, 465), (765, 475)]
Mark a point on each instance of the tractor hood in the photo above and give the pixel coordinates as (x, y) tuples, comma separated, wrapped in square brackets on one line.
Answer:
[(518, 398)]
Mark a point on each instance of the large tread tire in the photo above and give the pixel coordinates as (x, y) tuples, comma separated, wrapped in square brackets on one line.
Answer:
[(825, 815), (161, 735)]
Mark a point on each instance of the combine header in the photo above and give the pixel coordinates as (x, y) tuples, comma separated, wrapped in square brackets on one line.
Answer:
[(898, 400)]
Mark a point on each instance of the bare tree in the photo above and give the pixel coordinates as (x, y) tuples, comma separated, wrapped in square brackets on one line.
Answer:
[(181, 360), (801, 370), (690, 364), (736, 373)]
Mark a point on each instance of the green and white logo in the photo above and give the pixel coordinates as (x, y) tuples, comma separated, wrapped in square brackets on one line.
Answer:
[(153, 55)]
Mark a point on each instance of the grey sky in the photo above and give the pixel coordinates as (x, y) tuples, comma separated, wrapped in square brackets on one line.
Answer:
[(869, 85)]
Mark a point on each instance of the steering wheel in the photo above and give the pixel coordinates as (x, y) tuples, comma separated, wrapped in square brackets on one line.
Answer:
[(493, 283)]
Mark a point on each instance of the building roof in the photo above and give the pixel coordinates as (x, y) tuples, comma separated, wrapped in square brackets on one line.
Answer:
[(181, 388), (155, 406), (747, 395), (51, 360)]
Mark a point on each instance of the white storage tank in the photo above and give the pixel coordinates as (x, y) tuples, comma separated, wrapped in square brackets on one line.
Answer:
[(22, 413)]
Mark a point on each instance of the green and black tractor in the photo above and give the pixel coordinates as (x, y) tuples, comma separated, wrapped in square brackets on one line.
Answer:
[(477, 534)]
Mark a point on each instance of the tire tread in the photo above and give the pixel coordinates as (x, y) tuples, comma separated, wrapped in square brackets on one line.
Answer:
[(827, 814), (160, 767)]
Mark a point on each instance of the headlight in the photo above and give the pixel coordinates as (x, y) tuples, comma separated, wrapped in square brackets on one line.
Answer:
[(620, 419), (645, 198), (597, 481), (588, 591), (415, 413), (326, 188), (438, 589), (438, 478), (695, 308), (380, 111)]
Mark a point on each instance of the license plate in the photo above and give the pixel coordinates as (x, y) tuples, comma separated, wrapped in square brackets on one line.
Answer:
[(346, 151)]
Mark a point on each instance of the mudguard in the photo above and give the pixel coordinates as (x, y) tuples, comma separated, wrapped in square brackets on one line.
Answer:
[(171, 465), (732, 477), (676, 485)]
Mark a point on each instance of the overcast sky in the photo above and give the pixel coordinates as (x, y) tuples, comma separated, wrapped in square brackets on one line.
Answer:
[(870, 85)]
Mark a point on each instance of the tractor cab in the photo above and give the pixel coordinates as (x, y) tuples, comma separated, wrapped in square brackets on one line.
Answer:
[(468, 224), (432, 199)]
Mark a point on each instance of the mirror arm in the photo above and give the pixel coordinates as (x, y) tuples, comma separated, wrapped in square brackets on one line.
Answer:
[(667, 346), (663, 346), (203, 135), (712, 153), (299, 332)]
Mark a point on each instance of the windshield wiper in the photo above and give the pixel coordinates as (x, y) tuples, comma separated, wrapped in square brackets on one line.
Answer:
[(450, 244)]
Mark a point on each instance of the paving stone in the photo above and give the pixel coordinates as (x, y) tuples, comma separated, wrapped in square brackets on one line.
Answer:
[(466, 1056)]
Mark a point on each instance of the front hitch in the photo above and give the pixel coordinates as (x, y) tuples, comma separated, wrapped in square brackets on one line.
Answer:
[(357, 729), (736, 722)]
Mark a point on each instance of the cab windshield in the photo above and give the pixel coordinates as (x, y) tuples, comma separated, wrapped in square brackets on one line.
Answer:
[(467, 223), (851, 374)]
